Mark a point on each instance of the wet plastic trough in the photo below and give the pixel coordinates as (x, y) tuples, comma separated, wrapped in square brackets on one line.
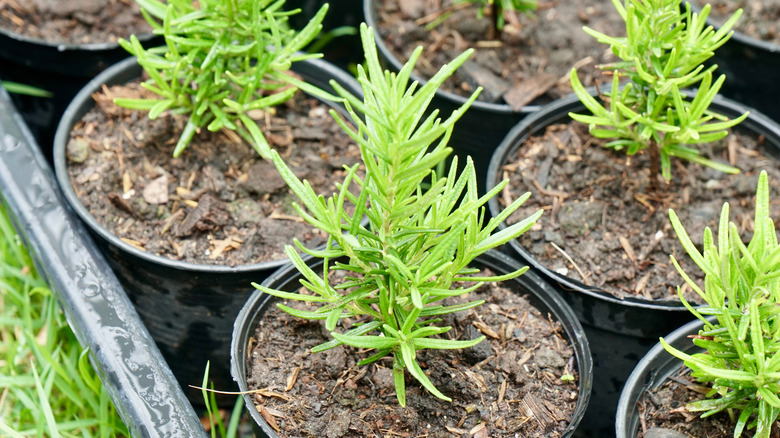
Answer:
[(128, 362)]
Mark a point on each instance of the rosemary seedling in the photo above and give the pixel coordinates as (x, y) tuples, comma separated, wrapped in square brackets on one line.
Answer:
[(497, 10), (661, 54), (418, 241), (742, 290), (224, 62)]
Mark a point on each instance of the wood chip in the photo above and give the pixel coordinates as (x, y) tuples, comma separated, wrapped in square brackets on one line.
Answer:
[(269, 418), (267, 392), (524, 92), (481, 326), (172, 219), (276, 215), (119, 202), (479, 431), (456, 431), (641, 286), (534, 408), (292, 378), (132, 242), (627, 248), (502, 391), (526, 357), (493, 87), (222, 246)]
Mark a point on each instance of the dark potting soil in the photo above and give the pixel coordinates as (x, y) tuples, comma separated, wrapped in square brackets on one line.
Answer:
[(73, 21), (664, 407), (532, 60), (760, 18), (600, 215), (509, 385), (219, 202)]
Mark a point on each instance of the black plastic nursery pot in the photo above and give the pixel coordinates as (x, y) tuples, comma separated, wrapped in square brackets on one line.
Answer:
[(128, 362), (654, 368), (59, 68), (343, 49), (544, 297), (188, 308), (751, 67), (620, 330), (479, 130)]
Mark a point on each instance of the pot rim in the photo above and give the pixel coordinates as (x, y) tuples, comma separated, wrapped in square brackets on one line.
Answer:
[(557, 111), (531, 283), (369, 12), (122, 72), (652, 370), (69, 46)]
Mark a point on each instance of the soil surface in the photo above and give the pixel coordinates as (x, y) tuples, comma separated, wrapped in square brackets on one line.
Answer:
[(73, 21), (530, 63), (509, 385), (616, 233), (760, 18), (664, 407), (219, 202)]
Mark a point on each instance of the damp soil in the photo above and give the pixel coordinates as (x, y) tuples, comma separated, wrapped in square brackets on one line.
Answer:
[(664, 407), (529, 63), (760, 18), (219, 202), (604, 228), (509, 385), (73, 21)]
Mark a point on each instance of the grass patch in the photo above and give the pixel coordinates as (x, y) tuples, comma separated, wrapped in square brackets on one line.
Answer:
[(47, 385)]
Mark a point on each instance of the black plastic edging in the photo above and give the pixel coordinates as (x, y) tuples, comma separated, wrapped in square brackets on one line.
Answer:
[(133, 371)]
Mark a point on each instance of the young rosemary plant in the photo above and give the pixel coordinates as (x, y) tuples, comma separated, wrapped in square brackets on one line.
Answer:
[(418, 241), (661, 54), (224, 62), (742, 291), (498, 9)]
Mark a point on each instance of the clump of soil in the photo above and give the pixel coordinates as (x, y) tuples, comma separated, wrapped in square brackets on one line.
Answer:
[(509, 385), (603, 228), (532, 59), (219, 202), (664, 407), (760, 18), (73, 21)]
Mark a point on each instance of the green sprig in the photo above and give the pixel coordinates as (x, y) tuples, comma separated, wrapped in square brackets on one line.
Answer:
[(418, 242), (742, 290), (662, 53), (499, 8), (222, 61)]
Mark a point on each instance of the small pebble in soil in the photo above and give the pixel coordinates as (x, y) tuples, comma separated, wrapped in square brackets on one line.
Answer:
[(77, 150), (660, 432), (547, 358)]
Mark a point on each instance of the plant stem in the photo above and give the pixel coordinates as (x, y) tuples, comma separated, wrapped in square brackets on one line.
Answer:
[(495, 32), (655, 168)]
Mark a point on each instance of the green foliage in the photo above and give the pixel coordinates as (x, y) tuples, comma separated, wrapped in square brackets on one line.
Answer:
[(15, 87), (48, 385), (218, 428), (661, 54), (222, 62), (742, 290), (498, 7), (417, 242)]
